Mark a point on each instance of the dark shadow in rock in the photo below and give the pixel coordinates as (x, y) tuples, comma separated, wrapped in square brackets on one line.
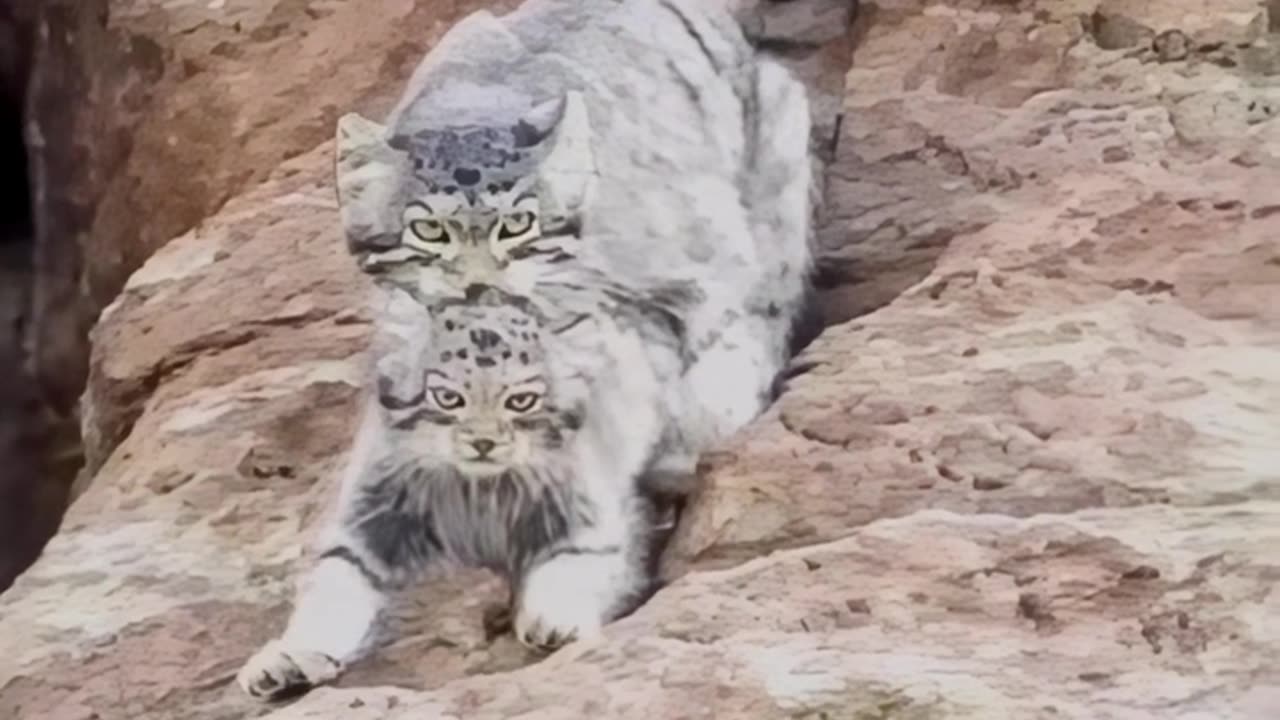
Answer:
[(894, 195), (39, 446), (859, 268)]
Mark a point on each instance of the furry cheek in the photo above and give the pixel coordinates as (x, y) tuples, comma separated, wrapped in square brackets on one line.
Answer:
[(431, 436), (521, 449), (542, 433)]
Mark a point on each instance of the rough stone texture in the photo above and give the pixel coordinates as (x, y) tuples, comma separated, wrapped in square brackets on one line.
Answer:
[(1038, 480)]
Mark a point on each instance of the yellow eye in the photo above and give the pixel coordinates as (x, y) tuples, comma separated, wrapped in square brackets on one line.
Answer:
[(447, 399), (429, 230), (522, 402), (516, 225)]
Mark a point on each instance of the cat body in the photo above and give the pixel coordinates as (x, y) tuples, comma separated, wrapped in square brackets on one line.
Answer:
[(493, 447), (633, 182), (570, 151)]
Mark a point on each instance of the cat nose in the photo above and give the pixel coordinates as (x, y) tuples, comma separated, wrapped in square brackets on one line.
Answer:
[(483, 446)]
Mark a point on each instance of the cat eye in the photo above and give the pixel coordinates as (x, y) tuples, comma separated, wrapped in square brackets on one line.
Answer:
[(431, 231), (515, 225), (522, 402), (447, 399)]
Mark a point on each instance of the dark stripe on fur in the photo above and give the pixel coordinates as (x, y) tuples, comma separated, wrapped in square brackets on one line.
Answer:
[(411, 420), (562, 227), (572, 550), (359, 242), (387, 397), (342, 552), (693, 32), (577, 320)]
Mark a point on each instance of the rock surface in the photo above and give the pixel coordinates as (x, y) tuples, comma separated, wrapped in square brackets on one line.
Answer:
[(1029, 473)]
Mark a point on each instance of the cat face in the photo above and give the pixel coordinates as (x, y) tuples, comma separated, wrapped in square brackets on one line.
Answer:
[(472, 231), (487, 399), (452, 207)]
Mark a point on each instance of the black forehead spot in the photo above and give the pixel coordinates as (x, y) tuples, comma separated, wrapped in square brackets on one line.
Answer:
[(524, 357), (466, 176), (446, 356), (485, 361), (484, 338), (506, 354), (462, 353), (449, 325)]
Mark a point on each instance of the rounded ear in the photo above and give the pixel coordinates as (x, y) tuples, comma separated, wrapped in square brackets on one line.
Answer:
[(368, 173), (539, 122), (566, 117), (356, 131), (362, 150)]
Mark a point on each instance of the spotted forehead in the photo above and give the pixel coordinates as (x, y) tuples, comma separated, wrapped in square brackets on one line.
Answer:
[(470, 157), (487, 337)]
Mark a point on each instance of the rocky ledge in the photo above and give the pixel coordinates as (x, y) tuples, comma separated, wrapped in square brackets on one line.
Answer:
[(1029, 471)]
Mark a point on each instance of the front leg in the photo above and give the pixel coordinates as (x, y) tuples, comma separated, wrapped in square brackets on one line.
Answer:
[(337, 605), (595, 576), (382, 545)]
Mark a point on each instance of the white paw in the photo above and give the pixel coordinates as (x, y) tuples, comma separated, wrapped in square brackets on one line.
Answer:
[(276, 671), (559, 603)]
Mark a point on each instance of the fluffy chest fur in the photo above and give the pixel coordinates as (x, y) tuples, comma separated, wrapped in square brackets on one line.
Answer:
[(420, 512)]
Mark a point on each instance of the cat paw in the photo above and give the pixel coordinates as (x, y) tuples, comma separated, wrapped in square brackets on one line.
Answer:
[(275, 672), (556, 609)]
